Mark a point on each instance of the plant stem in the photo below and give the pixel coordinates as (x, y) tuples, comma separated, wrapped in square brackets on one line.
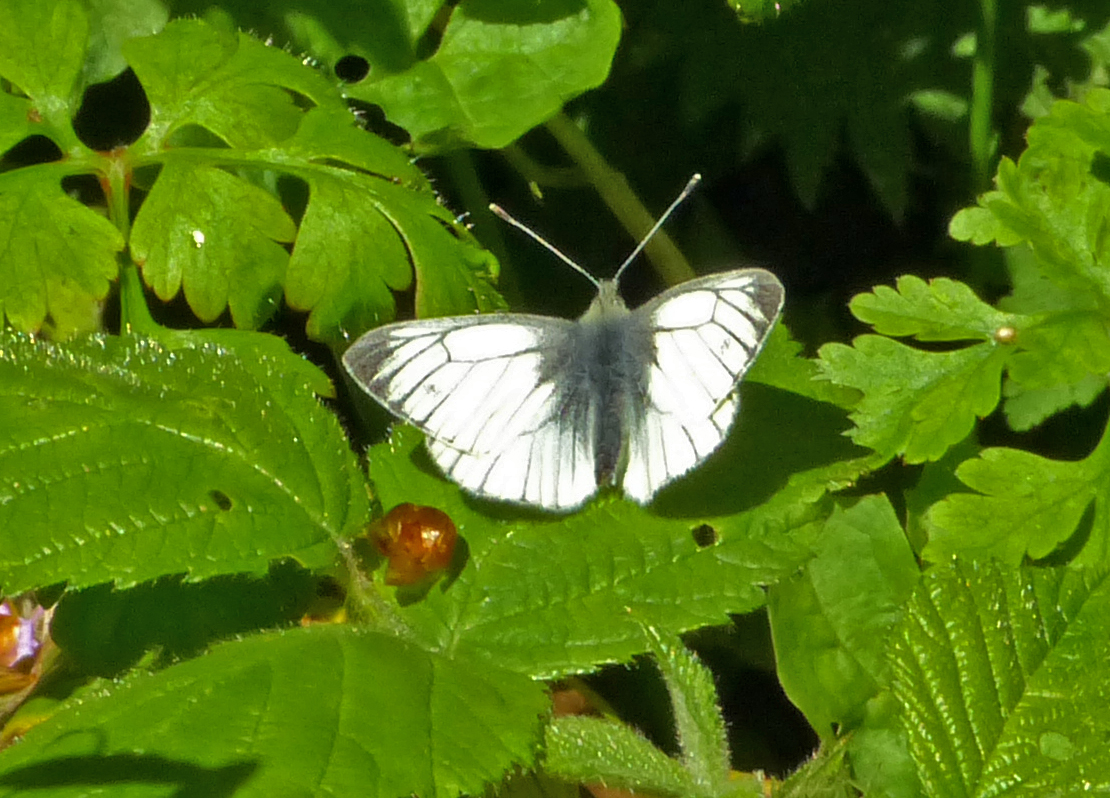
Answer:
[(614, 190), (983, 140)]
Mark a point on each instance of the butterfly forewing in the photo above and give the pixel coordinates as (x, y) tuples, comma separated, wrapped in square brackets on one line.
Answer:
[(705, 335), (481, 390)]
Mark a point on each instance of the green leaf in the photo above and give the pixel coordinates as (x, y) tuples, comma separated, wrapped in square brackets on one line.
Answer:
[(219, 237), (56, 255), (500, 69), (915, 403), (122, 460), (1061, 361), (780, 365), (1053, 199), (113, 22), (585, 750), (321, 710), (105, 630), (1002, 680), (229, 84), (1026, 506), (1025, 408), (42, 51), (939, 310), (362, 237), (555, 595), (699, 725), (831, 622)]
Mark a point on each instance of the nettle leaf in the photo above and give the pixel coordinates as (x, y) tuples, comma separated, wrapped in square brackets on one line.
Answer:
[(123, 460), (319, 710), (106, 630), (915, 403), (699, 724), (57, 256), (588, 750), (500, 69), (1002, 680), (831, 623), (938, 310), (1026, 506), (217, 236), (551, 595)]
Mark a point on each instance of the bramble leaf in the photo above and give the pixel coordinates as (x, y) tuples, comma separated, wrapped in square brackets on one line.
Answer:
[(123, 460), (585, 750), (1001, 680), (320, 710)]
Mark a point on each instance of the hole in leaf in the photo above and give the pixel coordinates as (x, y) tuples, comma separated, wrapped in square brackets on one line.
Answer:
[(221, 499), (113, 114), (352, 68), (373, 118), (704, 535), (1100, 167), (30, 151)]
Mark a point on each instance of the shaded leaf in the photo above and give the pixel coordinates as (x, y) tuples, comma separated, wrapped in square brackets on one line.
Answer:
[(320, 710)]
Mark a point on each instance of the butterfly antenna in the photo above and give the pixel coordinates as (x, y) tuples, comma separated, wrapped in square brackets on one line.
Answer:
[(502, 214), (686, 192)]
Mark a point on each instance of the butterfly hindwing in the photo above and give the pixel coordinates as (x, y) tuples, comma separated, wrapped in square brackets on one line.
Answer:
[(481, 389), (705, 335)]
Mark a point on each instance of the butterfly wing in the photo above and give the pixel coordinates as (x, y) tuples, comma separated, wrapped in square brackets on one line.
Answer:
[(486, 393), (705, 334)]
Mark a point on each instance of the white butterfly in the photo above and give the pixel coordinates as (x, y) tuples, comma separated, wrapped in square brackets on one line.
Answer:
[(543, 411)]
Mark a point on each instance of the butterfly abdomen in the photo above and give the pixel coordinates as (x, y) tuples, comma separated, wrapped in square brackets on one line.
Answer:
[(605, 381)]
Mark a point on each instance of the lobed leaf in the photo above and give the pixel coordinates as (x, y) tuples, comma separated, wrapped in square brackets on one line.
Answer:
[(1053, 198), (999, 674), (56, 255), (938, 310), (123, 460), (228, 83), (324, 710), (217, 236), (915, 403), (1026, 506)]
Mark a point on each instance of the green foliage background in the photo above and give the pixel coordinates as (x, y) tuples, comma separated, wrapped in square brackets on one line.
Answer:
[(907, 529)]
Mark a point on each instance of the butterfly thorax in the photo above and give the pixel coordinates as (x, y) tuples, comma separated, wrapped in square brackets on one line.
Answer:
[(602, 364)]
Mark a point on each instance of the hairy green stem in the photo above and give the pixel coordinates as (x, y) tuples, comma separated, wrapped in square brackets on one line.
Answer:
[(614, 190)]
